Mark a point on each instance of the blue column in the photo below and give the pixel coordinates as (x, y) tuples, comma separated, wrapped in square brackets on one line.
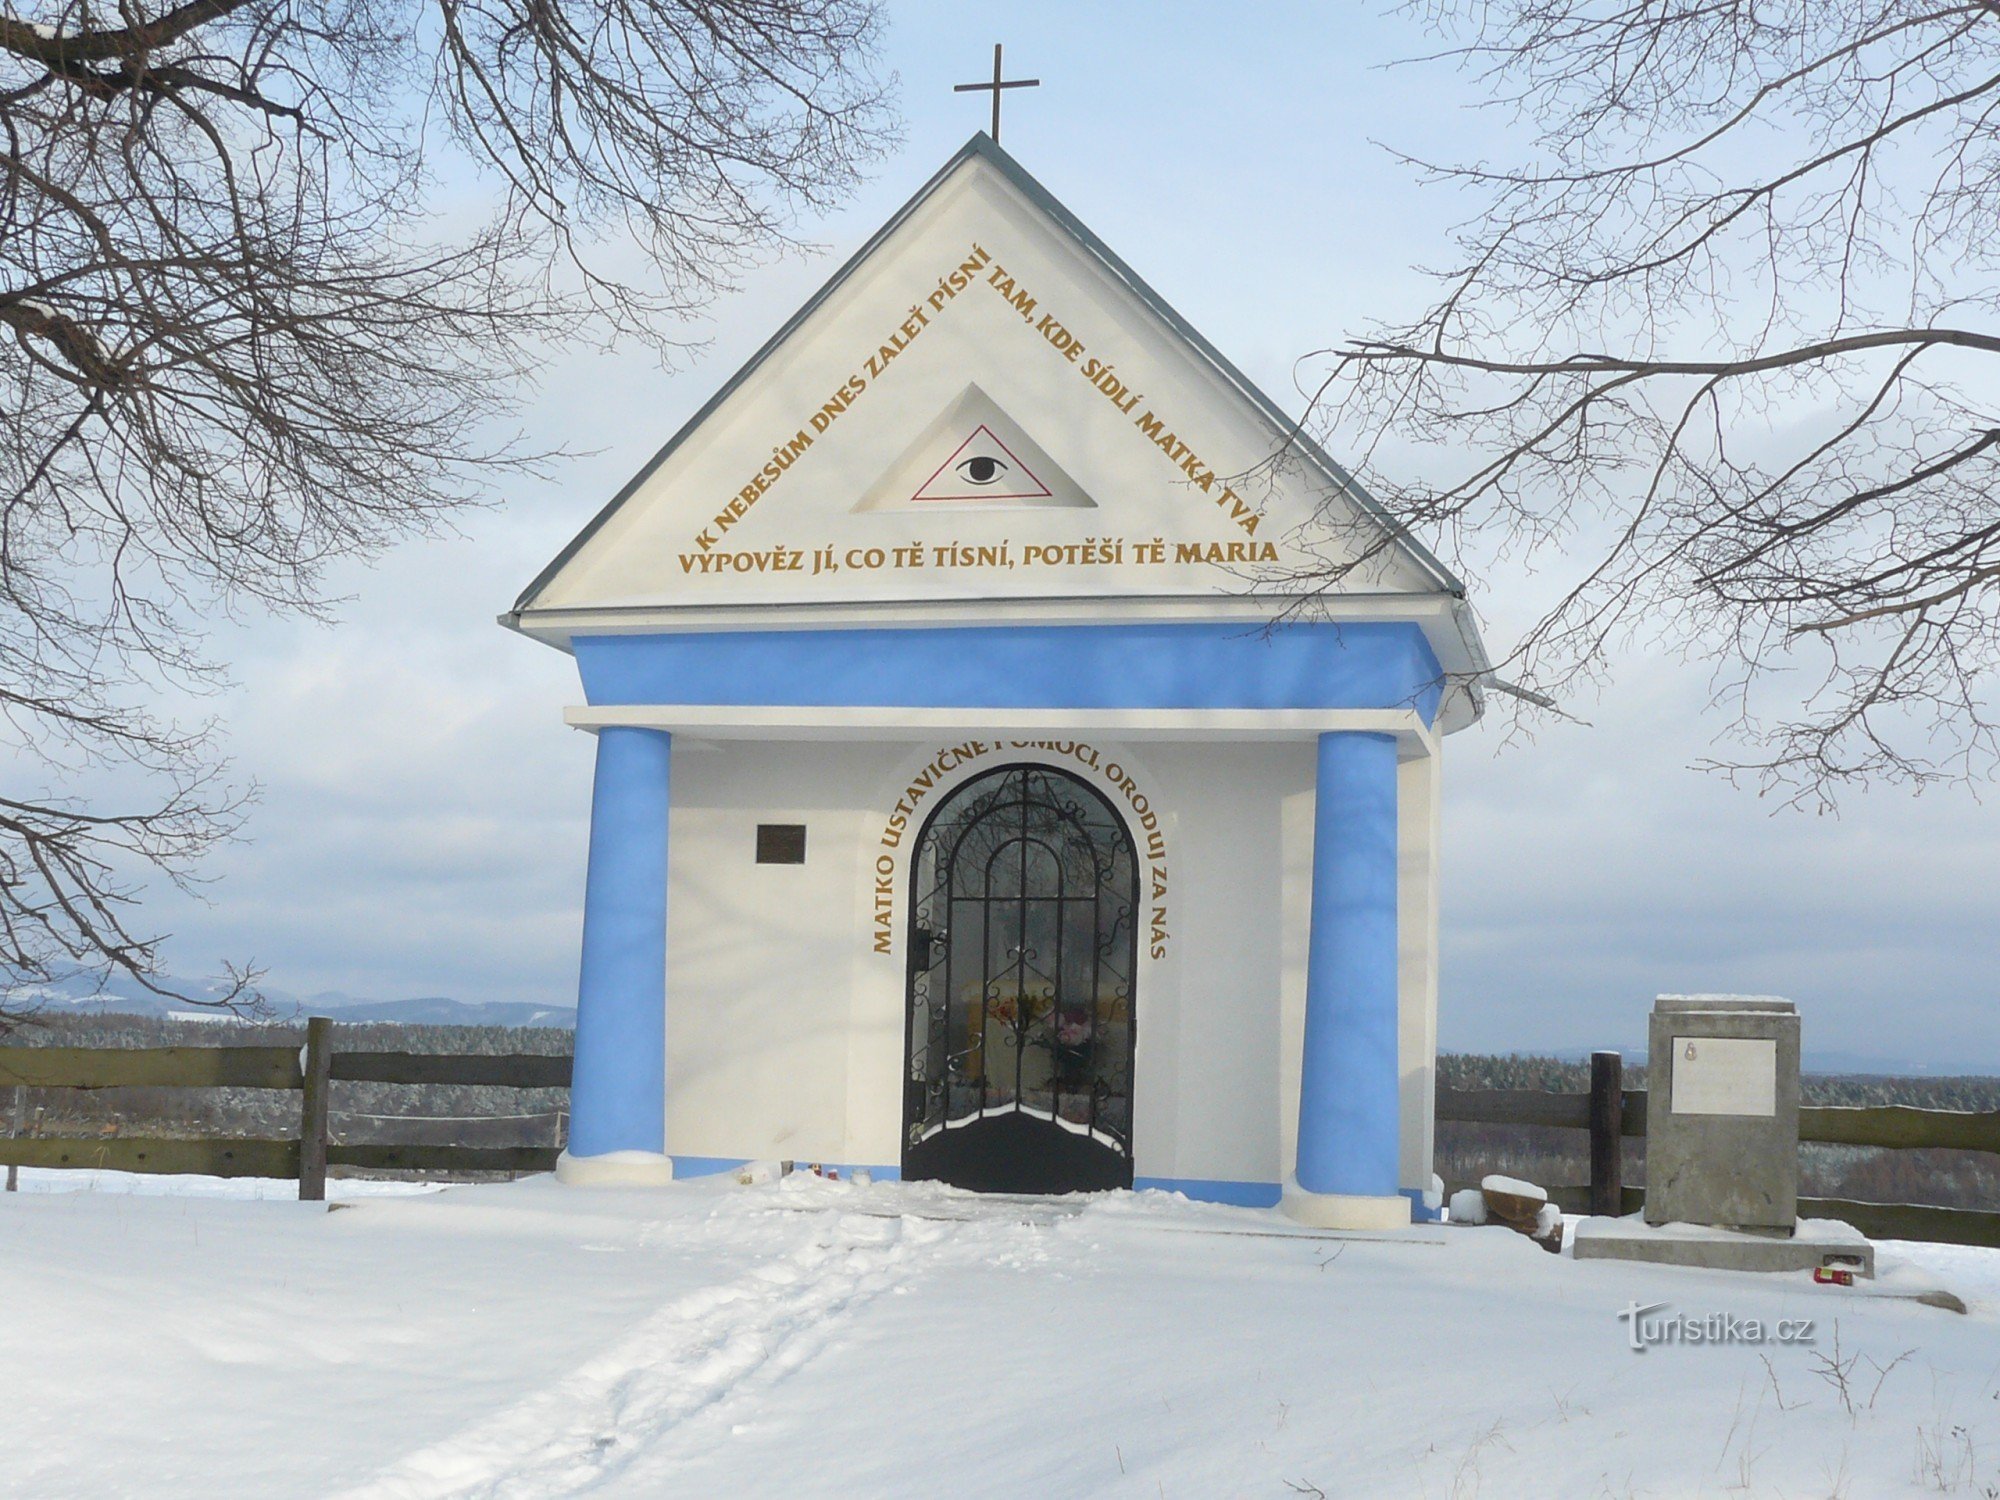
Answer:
[(1349, 1094), (618, 1092)]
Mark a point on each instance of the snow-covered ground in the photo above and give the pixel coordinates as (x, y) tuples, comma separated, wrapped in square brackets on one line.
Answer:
[(809, 1338), (191, 1185)]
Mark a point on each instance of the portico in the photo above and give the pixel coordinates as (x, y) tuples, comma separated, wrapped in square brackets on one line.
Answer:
[(960, 810)]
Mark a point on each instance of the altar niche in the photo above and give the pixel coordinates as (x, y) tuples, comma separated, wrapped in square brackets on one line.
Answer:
[(1019, 1029)]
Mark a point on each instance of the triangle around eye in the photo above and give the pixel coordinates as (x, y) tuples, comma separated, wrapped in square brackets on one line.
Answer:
[(973, 456), (983, 469)]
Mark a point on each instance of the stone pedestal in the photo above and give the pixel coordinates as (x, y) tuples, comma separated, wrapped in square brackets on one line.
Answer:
[(1814, 1243), (1722, 1113)]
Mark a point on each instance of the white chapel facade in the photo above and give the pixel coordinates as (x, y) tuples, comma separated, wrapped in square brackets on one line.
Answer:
[(975, 797)]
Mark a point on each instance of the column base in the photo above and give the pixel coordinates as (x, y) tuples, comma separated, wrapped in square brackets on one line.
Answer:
[(1343, 1210), (616, 1169)]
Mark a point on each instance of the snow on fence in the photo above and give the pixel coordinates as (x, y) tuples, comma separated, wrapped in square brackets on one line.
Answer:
[(1610, 1111), (309, 1071)]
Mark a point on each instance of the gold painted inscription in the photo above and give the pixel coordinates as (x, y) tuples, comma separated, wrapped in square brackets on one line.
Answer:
[(789, 450), (1103, 377), (1143, 818), (1123, 552), (709, 556)]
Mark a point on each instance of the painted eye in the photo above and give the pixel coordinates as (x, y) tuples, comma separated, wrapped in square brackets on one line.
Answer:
[(981, 470)]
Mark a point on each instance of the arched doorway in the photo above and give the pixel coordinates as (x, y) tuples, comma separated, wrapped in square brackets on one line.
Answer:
[(1022, 947)]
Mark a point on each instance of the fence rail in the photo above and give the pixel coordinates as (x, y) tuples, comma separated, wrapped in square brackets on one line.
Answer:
[(209, 1156), (1901, 1127), (151, 1067), (307, 1071), (1613, 1113), (511, 1070)]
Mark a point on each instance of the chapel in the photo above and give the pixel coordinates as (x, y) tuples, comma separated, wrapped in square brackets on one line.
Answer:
[(1017, 753)]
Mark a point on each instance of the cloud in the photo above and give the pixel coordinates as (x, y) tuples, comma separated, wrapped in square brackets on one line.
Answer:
[(1592, 870)]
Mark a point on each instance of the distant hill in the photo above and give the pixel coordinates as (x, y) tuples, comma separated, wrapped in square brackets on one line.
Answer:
[(440, 1011), (80, 994)]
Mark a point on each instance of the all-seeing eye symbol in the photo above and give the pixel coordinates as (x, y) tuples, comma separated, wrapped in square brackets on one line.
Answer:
[(981, 470)]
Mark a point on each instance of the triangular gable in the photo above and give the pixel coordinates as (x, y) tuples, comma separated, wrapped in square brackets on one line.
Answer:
[(983, 322)]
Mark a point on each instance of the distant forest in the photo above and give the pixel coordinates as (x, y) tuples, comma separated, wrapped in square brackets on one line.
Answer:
[(1472, 1070), (446, 1115), (1949, 1179)]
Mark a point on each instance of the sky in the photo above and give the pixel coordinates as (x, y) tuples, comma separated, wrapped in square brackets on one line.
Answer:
[(422, 810)]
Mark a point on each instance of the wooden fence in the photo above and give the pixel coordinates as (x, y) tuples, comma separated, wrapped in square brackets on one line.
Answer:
[(308, 1071), (1611, 1112)]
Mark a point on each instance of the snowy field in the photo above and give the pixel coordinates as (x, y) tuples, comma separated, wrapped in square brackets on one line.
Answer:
[(819, 1339)]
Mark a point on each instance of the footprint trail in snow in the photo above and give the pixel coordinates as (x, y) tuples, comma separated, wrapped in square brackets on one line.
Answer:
[(684, 1358)]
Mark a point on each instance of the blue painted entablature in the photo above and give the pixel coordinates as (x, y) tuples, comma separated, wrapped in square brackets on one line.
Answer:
[(1202, 665)]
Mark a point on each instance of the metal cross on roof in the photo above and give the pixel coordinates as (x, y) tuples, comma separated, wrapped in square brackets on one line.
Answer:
[(994, 87)]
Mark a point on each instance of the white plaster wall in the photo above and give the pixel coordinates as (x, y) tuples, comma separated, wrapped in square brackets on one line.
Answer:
[(761, 958), (1217, 1054), (785, 1029)]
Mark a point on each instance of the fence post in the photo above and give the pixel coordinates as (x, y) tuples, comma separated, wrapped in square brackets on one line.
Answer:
[(312, 1110), (1607, 1130)]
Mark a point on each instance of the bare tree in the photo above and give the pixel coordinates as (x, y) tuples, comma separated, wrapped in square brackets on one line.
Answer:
[(272, 273), (1721, 351)]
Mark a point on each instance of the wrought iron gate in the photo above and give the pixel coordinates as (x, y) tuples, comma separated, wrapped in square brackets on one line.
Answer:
[(1022, 947)]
